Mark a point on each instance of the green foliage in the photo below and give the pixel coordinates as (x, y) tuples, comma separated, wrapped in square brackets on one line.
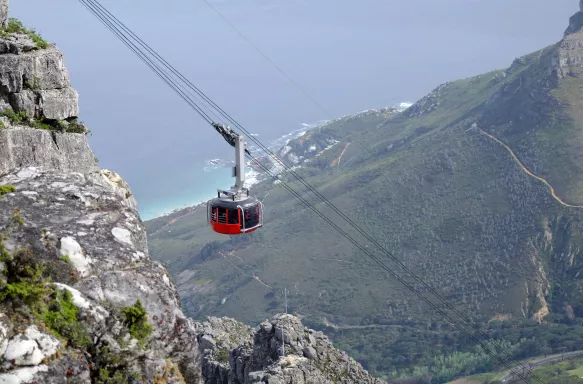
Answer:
[(554, 373), (66, 259), (25, 281), (15, 117), (223, 355), (111, 368), (16, 218), (4, 189), (62, 317), (118, 377), (35, 85), (136, 319), (72, 126), (75, 126), (16, 26)]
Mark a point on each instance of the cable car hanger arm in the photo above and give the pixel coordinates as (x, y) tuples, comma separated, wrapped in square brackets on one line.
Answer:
[(228, 134)]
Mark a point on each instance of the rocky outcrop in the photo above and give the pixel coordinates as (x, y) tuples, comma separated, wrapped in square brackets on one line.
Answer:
[(233, 354), (84, 231), (35, 91), (3, 13), (428, 103), (567, 59), (576, 21), (91, 242), (24, 146)]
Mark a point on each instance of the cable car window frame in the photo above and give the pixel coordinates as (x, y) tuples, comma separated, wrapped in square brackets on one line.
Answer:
[(233, 214), (259, 224), (221, 210)]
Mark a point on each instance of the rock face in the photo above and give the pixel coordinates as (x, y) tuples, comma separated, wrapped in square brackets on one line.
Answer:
[(84, 229), (576, 21), (567, 59), (234, 354), (24, 146), (3, 13), (36, 83), (83, 219)]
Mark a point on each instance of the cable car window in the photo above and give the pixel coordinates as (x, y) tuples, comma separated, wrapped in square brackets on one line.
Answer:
[(233, 216), (222, 217), (251, 216)]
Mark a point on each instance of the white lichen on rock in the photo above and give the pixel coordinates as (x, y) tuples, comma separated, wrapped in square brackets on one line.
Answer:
[(30, 348)]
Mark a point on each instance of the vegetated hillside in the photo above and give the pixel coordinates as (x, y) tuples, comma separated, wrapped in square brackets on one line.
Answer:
[(476, 188)]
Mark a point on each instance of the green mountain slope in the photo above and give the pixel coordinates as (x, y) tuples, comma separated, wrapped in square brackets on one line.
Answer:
[(458, 187)]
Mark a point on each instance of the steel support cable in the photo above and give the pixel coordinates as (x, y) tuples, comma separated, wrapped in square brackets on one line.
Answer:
[(201, 94), (293, 172), (164, 76), (298, 86)]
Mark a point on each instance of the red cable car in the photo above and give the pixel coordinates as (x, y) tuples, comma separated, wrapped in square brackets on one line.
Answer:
[(235, 217), (235, 212)]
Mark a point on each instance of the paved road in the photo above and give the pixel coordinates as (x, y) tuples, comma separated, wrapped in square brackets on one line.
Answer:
[(542, 361)]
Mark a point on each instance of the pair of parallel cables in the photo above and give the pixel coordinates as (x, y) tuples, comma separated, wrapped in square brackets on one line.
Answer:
[(207, 109)]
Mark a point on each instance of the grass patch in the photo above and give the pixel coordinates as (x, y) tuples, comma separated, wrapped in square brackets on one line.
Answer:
[(27, 289), (66, 259), (5, 189), (223, 356), (136, 319), (34, 86), (576, 372), (20, 118), (62, 317), (25, 284), (16, 26)]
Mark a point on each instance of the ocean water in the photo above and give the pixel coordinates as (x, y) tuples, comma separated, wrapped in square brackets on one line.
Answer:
[(197, 186), (195, 180), (199, 183)]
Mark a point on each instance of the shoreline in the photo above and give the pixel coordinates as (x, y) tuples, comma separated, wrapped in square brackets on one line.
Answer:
[(253, 176)]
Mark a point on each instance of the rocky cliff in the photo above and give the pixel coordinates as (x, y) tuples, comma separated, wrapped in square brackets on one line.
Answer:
[(80, 299)]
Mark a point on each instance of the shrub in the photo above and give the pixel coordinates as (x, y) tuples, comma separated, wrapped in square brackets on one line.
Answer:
[(16, 26), (136, 319)]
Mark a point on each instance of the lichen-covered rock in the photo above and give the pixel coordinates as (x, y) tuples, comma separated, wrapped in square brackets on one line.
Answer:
[(17, 43), (54, 104), (567, 59), (43, 68), (83, 219), (30, 348), (3, 13), (59, 104), (23, 147), (259, 356)]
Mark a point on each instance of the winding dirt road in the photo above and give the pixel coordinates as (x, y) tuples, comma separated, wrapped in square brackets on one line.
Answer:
[(528, 172)]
